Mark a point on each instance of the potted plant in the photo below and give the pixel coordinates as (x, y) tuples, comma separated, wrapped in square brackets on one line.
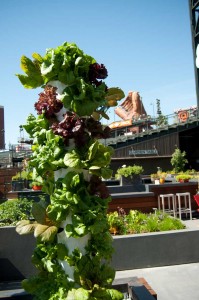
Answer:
[(159, 177), (36, 185), (37, 181), (162, 176), (74, 246), (129, 174), (183, 177)]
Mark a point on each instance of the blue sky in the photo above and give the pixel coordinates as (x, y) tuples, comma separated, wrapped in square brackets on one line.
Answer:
[(145, 45)]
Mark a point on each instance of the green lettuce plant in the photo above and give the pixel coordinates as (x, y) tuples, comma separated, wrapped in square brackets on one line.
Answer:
[(71, 162)]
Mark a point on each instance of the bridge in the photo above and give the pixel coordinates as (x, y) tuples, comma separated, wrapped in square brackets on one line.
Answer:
[(122, 136)]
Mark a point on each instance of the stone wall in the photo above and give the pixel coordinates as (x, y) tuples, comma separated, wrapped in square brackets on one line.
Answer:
[(6, 180)]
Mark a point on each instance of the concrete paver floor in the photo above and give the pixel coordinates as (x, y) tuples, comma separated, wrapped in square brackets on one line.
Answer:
[(192, 224), (178, 282)]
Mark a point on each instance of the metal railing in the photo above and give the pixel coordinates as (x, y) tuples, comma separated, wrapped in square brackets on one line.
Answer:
[(147, 124)]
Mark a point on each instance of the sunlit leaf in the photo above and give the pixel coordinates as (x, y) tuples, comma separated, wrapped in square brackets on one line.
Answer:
[(77, 294), (39, 213), (25, 227), (114, 94), (45, 233), (38, 57)]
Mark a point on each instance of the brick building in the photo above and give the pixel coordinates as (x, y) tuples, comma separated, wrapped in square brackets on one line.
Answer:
[(2, 130)]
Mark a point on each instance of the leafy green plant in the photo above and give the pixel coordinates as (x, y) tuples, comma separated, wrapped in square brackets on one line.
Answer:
[(138, 222), (12, 211), (191, 172), (36, 183), (163, 175), (68, 64), (183, 177), (154, 176), (117, 222), (27, 175), (170, 223), (17, 176), (43, 228), (129, 171), (23, 175), (178, 160), (158, 175), (71, 162)]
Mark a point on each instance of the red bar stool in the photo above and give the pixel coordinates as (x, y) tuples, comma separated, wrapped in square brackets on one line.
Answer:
[(183, 204), (166, 203)]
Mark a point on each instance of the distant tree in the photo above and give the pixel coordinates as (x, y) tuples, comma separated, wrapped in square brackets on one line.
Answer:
[(178, 160)]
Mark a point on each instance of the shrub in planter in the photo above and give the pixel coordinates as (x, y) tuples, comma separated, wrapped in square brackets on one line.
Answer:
[(130, 174), (138, 222)]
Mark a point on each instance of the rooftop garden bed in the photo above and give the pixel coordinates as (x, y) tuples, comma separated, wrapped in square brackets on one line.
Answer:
[(135, 222), (15, 210)]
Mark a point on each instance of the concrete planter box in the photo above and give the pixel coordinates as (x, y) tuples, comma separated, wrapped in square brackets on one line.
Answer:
[(156, 249), (15, 255), (131, 251)]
